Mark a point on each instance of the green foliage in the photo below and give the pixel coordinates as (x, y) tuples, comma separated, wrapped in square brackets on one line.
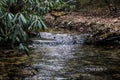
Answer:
[(19, 17), (69, 5), (78, 5)]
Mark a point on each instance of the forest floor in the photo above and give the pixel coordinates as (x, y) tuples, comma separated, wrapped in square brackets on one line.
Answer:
[(101, 27), (82, 23)]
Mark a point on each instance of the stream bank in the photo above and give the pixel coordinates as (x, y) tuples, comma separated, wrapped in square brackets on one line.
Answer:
[(102, 30)]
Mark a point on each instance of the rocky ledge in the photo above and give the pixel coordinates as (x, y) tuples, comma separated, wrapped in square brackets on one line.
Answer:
[(102, 30)]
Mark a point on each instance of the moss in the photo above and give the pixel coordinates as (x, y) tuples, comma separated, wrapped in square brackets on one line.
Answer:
[(105, 35)]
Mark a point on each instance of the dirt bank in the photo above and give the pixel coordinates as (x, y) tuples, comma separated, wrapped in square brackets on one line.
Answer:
[(102, 29)]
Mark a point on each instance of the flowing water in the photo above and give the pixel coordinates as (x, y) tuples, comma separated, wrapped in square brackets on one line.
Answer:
[(65, 57)]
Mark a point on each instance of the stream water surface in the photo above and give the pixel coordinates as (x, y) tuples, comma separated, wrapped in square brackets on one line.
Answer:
[(65, 57)]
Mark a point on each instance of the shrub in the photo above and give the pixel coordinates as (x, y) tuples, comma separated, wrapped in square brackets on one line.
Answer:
[(19, 17)]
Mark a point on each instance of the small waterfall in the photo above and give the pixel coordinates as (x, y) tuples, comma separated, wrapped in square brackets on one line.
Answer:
[(57, 39)]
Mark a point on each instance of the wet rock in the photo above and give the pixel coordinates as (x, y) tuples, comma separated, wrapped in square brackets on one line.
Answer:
[(103, 38)]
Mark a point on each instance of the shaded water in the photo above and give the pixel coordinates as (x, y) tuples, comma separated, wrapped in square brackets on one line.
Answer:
[(64, 57)]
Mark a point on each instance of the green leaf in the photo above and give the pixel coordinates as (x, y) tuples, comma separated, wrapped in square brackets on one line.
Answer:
[(10, 16), (39, 25), (21, 46), (15, 18), (17, 38), (23, 19), (43, 24), (31, 25)]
